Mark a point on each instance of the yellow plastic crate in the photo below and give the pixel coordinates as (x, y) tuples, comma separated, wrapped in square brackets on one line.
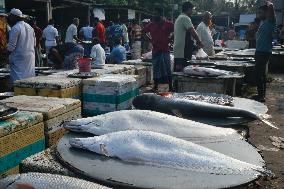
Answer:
[(17, 140), (50, 107), (55, 123), (70, 92), (53, 137), (13, 171), (19, 121)]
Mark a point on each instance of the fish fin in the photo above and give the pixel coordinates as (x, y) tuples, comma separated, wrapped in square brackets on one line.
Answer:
[(24, 186), (265, 172), (264, 117), (104, 150), (177, 113)]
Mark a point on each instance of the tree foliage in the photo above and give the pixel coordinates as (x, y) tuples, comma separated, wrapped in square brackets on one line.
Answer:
[(232, 7)]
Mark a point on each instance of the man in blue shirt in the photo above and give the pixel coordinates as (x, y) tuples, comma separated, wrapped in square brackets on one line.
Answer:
[(113, 32), (264, 46), (118, 53)]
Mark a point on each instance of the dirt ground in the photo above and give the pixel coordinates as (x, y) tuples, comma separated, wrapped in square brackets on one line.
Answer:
[(260, 133)]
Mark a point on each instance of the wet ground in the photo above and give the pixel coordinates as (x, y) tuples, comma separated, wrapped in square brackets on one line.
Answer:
[(260, 133)]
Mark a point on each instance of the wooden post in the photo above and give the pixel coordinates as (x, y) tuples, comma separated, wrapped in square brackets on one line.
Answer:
[(89, 14), (49, 10)]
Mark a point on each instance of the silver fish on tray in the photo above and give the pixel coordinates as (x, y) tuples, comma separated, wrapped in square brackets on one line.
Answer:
[(151, 121), (46, 181), (156, 149)]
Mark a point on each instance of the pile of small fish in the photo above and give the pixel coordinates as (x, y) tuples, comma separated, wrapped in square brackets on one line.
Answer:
[(5, 110), (220, 100)]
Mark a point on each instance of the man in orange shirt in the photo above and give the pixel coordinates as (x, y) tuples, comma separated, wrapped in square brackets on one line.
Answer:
[(100, 31)]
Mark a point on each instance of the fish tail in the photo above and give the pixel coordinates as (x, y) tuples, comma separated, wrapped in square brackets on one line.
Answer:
[(264, 118), (264, 172)]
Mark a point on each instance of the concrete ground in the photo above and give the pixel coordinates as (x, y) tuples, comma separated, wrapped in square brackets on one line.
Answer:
[(260, 133)]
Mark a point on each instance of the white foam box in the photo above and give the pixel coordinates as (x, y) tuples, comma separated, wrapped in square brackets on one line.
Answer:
[(55, 111), (108, 93), (184, 83)]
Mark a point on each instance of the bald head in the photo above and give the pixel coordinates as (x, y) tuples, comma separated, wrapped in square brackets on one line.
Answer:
[(207, 17)]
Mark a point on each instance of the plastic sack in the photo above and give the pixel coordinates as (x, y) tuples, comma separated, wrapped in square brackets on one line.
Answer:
[(201, 55)]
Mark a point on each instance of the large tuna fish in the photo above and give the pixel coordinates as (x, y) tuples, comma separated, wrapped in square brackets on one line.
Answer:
[(156, 149), (45, 181), (190, 108), (151, 121)]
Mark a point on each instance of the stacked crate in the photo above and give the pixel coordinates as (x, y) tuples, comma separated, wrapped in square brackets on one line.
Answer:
[(55, 111), (120, 69), (108, 93), (49, 86), (20, 137), (141, 75), (148, 65)]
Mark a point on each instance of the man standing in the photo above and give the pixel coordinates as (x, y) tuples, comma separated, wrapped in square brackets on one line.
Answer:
[(146, 45), (71, 33), (87, 34), (100, 31), (160, 30), (50, 36), (38, 35), (21, 47), (264, 46), (205, 34), (125, 35), (115, 31), (183, 32), (136, 37)]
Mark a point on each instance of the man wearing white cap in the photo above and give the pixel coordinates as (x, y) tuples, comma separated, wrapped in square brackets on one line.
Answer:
[(21, 47)]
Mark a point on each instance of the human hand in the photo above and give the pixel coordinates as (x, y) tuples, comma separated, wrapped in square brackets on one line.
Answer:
[(199, 44), (269, 4)]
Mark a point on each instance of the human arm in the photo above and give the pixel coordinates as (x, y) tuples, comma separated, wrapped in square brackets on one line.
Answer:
[(13, 39), (194, 34), (190, 28), (271, 11), (95, 33), (93, 53), (75, 36)]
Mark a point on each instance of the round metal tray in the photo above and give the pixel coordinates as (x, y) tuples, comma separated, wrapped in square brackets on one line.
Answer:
[(117, 173), (11, 113)]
